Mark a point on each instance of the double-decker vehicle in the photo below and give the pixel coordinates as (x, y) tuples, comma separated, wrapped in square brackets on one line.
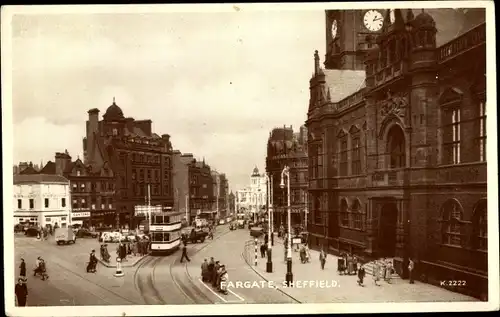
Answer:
[(240, 219), (165, 232), (205, 217)]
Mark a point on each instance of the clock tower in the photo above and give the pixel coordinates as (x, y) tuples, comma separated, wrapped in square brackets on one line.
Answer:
[(349, 34)]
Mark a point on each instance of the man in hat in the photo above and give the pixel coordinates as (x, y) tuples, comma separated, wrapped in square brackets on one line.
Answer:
[(21, 291)]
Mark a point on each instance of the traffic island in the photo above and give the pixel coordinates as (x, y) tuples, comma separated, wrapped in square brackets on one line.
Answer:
[(129, 261)]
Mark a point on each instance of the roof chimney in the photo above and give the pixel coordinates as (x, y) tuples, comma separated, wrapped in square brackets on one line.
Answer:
[(316, 62)]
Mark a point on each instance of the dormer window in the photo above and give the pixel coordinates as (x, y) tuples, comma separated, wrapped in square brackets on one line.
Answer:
[(115, 131), (78, 173)]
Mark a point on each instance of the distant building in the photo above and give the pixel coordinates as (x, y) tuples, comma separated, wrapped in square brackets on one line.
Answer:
[(252, 199), (26, 168), (92, 190), (138, 158), (221, 188), (232, 202), (288, 148), (181, 183), (42, 200)]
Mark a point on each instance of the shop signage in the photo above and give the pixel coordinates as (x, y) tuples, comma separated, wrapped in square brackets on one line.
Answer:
[(80, 214)]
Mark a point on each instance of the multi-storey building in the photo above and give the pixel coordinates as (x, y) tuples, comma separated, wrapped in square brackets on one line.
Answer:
[(92, 190), (180, 176), (397, 141), (139, 159), (286, 148), (253, 199), (41, 200), (232, 203), (201, 187), (221, 187)]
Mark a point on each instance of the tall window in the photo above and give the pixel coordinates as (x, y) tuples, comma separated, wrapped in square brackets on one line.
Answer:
[(480, 223), (343, 157), (46, 203), (19, 204), (63, 202), (451, 137), (356, 157), (32, 203), (396, 147), (452, 223), (344, 213), (320, 161), (482, 131), (357, 215)]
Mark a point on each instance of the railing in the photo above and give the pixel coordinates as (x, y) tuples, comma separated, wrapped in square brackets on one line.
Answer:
[(463, 43)]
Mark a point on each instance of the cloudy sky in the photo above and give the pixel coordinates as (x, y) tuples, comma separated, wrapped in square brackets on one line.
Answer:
[(216, 82)]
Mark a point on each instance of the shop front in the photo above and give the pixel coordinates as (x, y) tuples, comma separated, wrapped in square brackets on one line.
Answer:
[(102, 219), (81, 218)]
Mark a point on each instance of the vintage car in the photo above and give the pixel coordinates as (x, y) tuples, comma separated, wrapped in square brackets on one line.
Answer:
[(108, 236), (256, 232), (86, 233), (193, 234)]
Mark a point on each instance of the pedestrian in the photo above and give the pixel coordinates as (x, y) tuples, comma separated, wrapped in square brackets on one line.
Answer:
[(211, 268), (389, 271), (383, 265), (91, 267), (361, 274), (215, 273), (204, 270), (376, 272), (21, 291), (322, 258), (184, 253), (22, 268), (262, 251), (223, 280), (411, 266)]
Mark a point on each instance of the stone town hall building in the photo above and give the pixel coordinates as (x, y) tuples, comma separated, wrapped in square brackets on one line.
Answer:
[(397, 141)]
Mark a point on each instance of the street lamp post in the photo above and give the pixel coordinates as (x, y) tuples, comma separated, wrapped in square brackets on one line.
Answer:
[(289, 274), (269, 264)]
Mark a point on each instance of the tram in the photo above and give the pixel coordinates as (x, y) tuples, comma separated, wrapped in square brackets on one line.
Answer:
[(165, 232)]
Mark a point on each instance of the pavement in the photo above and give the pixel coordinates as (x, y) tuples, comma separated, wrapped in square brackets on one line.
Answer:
[(244, 287), (327, 286)]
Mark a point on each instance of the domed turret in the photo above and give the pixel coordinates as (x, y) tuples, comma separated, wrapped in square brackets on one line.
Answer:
[(255, 171), (114, 113), (424, 20)]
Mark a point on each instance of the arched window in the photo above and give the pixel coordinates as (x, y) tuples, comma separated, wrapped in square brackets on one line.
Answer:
[(480, 223), (452, 223), (396, 147), (344, 213), (357, 215)]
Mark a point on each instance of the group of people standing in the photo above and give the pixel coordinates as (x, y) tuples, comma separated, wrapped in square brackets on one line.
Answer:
[(215, 273), (383, 268), (21, 288)]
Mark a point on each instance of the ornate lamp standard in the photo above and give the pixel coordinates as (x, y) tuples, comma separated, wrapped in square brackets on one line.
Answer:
[(289, 274), (269, 264)]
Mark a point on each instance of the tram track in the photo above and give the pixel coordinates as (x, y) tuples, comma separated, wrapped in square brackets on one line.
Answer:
[(145, 278), (63, 265)]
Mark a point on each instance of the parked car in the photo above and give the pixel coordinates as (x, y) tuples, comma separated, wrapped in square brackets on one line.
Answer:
[(31, 232), (222, 221), (65, 236), (86, 233), (256, 232), (108, 236), (193, 235)]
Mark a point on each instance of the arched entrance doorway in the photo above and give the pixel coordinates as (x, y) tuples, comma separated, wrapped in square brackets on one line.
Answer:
[(387, 230)]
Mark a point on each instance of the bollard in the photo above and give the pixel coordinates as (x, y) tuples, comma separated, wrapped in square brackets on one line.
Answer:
[(119, 271), (256, 242)]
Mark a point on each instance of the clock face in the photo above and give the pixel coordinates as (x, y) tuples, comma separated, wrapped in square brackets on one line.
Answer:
[(334, 29), (392, 16), (373, 20)]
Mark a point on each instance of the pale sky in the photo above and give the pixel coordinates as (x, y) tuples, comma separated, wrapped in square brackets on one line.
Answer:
[(216, 82)]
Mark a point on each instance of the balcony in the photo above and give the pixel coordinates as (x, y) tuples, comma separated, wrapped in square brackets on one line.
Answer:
[(392, 177), (462, 44)]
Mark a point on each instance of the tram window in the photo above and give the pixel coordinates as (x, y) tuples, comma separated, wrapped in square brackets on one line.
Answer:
[(157, 236), (166, 236)]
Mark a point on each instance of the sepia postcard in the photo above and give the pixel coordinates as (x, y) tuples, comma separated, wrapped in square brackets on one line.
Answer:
[(241, 159)]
